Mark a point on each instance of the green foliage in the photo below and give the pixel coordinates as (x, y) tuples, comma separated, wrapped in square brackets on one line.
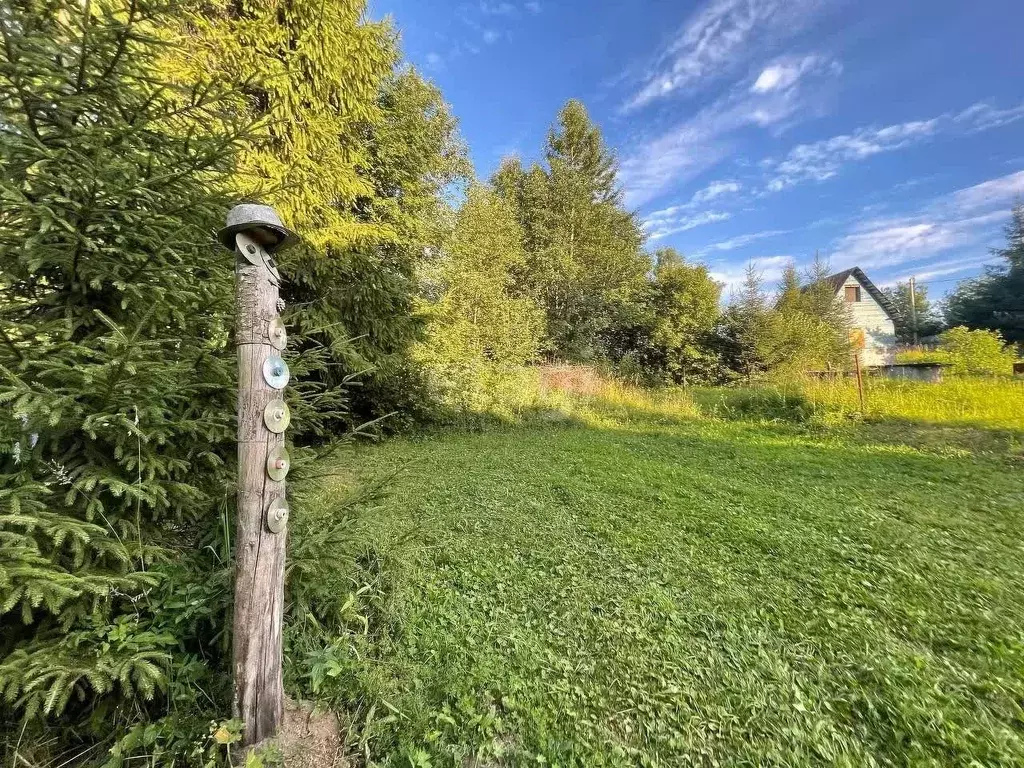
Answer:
[(806, 328), (355, 154), (675, 316), (583, 263), (993, 301), (600, 590), (479, 331), (976, 352), (906, 313), (116, 440)]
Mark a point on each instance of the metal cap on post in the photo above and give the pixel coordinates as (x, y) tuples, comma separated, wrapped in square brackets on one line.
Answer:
[(260, 222), (255, 232)]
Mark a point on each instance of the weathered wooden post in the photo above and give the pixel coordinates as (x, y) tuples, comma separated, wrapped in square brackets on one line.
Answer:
[(255, 232), (859, 341)]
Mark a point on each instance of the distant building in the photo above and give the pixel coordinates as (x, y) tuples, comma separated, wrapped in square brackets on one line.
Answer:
[(871, 315)]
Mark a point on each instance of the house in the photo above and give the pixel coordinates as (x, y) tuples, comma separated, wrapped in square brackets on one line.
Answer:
[(870, 314)]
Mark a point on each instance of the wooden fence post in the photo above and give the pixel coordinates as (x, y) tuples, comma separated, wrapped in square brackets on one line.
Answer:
[(254, 232)]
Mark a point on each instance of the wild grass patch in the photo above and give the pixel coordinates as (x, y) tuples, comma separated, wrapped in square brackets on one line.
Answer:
[(642, 584)]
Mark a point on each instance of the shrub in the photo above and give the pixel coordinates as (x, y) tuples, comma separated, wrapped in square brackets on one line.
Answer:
[(976, 352)]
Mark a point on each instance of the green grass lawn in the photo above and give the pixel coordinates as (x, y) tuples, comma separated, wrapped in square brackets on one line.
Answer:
[(642, 584)]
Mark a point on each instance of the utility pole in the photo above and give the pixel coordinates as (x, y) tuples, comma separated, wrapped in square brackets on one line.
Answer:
[(254, 232), (913, 305)]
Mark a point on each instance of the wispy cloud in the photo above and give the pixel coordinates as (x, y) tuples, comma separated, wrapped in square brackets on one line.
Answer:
[(671, 221), (497, 9), (533, 6), (940, 269), (701, 142), (434, 60), (999, 191), (962, 220), (715, 190), (740, 241), (684, 216), (824, 159), (718, 40), (982, 116), (785, 72)]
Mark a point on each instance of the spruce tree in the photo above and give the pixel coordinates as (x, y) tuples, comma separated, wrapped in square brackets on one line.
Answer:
[(116, 369)]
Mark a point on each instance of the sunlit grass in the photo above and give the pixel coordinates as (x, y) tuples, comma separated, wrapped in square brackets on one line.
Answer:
[(742, 577), (992, 402)]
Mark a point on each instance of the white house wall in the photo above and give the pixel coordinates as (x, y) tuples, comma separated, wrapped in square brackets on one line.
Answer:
[(869, 316)]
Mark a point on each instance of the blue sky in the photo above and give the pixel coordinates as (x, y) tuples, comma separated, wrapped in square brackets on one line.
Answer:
[(888, 135)]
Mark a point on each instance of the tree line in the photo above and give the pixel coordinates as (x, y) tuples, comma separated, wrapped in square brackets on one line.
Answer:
[(127, 129)]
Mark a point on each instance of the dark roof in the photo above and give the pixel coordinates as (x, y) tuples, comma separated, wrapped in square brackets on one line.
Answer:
[(837, 280)]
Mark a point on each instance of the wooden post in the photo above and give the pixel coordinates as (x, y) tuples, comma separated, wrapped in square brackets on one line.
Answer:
[(860, 379), (262, 464)]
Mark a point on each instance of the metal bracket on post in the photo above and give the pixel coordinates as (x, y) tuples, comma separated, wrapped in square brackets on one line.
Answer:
[(255, 233)]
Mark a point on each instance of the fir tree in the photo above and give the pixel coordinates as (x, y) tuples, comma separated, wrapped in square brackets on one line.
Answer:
[(116, 367)]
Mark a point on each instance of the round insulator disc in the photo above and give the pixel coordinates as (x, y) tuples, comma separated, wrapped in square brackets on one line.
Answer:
[(275, 372), (278, 464), (249, 249), (277, 416), (278, 334), (277, 515)]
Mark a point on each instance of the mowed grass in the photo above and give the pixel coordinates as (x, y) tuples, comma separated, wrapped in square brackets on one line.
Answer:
[(642, 584)]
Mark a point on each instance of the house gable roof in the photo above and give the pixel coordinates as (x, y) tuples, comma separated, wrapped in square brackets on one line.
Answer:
[(839, 279)]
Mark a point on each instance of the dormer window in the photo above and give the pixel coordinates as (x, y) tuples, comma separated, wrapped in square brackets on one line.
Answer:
[(852, 294)]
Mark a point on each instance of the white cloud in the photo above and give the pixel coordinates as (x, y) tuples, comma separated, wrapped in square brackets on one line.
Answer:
[(940, 269), (823, 159), (491, 36), (667, 222), (497, 9), (786, 72), (999, 191), (962, 220), (434, 59), (701, 142), (983, 116), (533, 6), (879, 245), (715, 190), (740, 241), (718, 39)]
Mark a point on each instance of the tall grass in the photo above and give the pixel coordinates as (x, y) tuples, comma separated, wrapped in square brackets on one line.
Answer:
[(988, 402)]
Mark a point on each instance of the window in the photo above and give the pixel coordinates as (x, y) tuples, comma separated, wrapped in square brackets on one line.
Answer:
[(853, 293)]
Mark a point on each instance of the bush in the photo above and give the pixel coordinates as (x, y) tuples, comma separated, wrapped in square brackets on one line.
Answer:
[(976, 352)]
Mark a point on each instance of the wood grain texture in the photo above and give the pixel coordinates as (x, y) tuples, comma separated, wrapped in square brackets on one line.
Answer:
[(259, 553)]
